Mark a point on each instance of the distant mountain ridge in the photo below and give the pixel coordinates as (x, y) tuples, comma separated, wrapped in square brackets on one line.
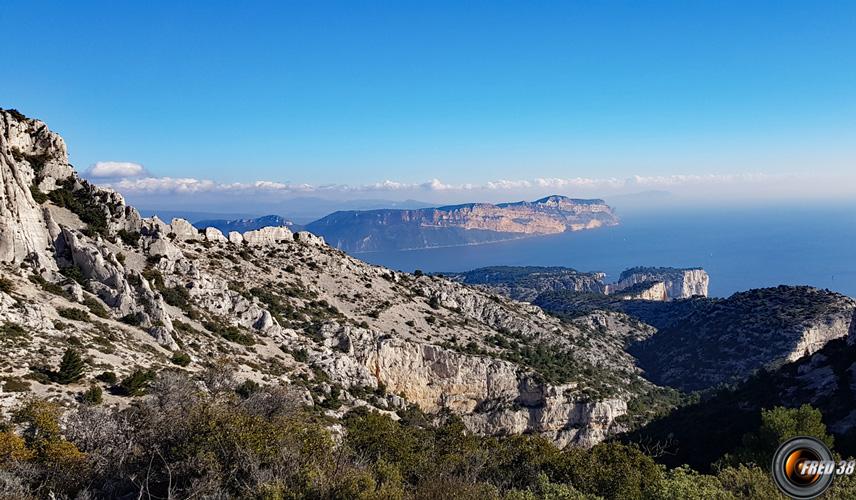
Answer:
[(456, 225), (243, 225)]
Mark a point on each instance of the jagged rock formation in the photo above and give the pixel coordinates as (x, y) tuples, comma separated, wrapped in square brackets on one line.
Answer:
[(526, 283), (81, 268), (679, 283), (470, 224), (729, 339)]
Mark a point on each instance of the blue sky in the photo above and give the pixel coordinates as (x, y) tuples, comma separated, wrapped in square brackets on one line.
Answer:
[(467, 93)]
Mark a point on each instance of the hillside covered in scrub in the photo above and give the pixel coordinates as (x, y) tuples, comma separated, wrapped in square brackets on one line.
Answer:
[(140, 357)]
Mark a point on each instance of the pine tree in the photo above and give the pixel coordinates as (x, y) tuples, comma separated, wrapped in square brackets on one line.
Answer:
[(70, 368)]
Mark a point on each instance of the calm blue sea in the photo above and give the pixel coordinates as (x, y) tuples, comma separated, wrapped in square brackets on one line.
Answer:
[(740, 248)]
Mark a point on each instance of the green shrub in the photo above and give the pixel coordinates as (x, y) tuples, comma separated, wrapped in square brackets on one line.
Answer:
[(107, 377), (93, 396), (96, 308), (14, 384), (777, 426), (136, 383), (48, 286), (247, 388), (154, 277), (180, 359), (73, 314), (176, 296), (130, 238), (82, 203), (230, 333), (13, 332), (70, 368), (6, 285), (133, 319), (74, 273)]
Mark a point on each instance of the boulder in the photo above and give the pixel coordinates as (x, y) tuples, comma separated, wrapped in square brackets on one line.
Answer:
[(214, 235), (268, 236), (183, 230), (236, 237)]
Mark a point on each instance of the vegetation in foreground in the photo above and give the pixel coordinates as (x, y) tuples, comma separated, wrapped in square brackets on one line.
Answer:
[(208, 437)]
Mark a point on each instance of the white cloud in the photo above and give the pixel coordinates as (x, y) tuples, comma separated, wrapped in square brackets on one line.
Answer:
[(115, 170), (156, 185)]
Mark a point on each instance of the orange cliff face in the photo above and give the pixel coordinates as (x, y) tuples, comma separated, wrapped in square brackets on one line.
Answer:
[(468, 224), (554, 214)]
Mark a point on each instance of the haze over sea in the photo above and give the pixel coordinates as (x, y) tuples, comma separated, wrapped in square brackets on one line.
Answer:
[(741, 248)]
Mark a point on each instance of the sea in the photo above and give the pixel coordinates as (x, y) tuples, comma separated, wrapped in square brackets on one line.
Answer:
[(740, 247)]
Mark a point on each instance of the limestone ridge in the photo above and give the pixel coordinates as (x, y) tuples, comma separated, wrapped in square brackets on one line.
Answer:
[(469, 224), (678, 283), (81, 268), (646, 283)]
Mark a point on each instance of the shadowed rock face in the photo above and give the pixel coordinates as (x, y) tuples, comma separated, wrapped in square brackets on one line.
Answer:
[(727, 339), (471, 224), (285, 308)]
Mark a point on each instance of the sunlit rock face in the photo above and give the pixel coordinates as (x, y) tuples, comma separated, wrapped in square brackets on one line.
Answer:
[(469, 224), (679, 283)]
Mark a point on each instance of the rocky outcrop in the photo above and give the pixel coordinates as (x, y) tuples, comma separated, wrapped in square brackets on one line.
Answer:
[(28, 155), (236, 237), (679, 283), (380, 230), (645, 290), (214, 235), (268, 236), (183, 230)]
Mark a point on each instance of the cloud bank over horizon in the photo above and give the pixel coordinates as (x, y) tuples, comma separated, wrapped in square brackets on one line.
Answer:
[(139, 187), (189, 185)]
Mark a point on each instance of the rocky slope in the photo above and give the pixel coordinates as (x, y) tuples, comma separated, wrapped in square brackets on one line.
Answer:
[(727, 340), (81, 269), (381, 230)]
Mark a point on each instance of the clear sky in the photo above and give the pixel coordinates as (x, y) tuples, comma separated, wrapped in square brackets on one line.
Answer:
[(442, 99)]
